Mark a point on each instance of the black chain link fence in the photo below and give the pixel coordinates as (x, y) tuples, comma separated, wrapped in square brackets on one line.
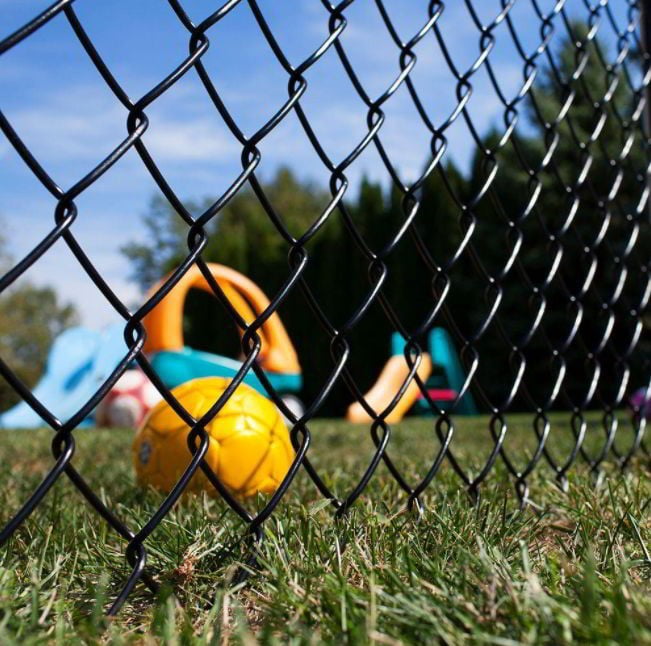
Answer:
[(585, 292)]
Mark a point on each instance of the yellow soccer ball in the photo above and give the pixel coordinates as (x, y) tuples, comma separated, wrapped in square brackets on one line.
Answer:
[(250, 450)]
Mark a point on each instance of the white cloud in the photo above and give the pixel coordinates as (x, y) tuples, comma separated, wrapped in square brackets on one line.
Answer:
[(70, 128), (192, 141), (78, 123), (84, 124)]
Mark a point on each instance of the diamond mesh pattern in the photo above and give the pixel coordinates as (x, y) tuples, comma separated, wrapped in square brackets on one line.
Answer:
[(594, 255)]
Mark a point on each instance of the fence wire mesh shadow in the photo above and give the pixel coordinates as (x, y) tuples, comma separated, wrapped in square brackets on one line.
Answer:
[(560, 180)]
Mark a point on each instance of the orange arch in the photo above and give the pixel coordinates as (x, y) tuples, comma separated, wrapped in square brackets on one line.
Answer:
[(164, 324)]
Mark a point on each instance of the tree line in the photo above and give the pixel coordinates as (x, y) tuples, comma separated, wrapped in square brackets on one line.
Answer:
[(522, 215), (31, 317)]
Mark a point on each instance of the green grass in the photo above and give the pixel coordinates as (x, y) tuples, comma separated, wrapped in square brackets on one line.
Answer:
[(576, 571)]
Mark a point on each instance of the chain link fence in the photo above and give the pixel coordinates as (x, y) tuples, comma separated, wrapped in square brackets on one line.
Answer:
[(566, 293)]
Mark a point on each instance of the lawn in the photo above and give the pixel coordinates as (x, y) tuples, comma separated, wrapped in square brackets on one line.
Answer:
[(574, 569)]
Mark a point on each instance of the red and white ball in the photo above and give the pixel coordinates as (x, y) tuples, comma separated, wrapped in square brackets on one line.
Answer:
[(128, 402)]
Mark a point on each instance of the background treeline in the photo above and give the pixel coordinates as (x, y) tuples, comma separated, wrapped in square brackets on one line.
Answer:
[(31, 317), (243, 237)]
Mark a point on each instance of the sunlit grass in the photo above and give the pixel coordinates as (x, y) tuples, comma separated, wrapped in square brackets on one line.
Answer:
[(577, 570)]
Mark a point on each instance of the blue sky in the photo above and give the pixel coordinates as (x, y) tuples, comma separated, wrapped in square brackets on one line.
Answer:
[(59, 105)]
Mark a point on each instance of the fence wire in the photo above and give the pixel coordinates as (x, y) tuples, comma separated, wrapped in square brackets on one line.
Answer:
[(559, 291)]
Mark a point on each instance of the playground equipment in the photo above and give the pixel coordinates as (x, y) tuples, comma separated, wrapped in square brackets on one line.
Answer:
[(249, 451), (441, 371), (391, 378), (176, 363), (79, 362), (128, 402), (448, 376)]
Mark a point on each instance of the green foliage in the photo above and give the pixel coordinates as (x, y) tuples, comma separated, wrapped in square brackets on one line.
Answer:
[(590, 135), (243, 237), (31, 318), (339, 272), (575, 571)]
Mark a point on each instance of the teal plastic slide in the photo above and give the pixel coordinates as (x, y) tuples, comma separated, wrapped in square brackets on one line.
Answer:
[(444, 355), (448, 371), (175, 367), (79, 362)]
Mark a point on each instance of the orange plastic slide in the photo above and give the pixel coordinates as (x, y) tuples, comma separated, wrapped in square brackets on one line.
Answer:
[(389, 382), (164, 323)]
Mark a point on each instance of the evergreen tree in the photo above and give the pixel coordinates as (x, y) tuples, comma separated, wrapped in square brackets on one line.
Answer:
[(527, 201)]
